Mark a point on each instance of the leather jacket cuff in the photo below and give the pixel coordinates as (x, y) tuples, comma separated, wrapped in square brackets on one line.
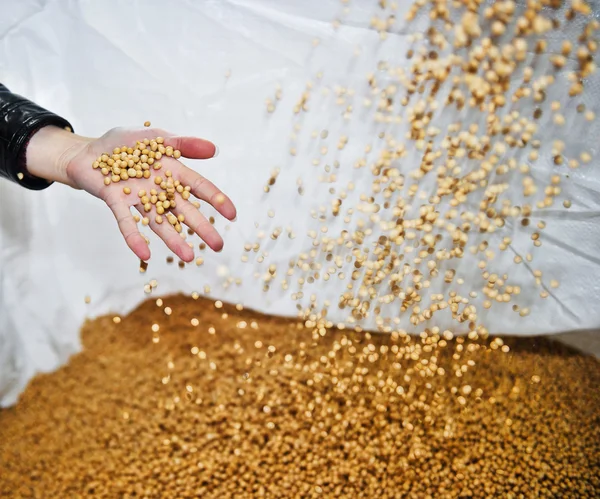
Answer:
[(20, 119)]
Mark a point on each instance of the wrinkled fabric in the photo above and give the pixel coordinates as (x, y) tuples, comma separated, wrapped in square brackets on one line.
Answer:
[(19, 120), (205, 68)]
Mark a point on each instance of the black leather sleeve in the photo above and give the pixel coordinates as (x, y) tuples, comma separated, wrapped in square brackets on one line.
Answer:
[(19, 120)]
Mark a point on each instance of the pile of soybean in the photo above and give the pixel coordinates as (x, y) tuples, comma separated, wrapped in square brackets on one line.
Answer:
[(233, 403)]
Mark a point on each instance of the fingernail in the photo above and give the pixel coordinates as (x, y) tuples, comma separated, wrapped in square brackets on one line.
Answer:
[(216, 152)]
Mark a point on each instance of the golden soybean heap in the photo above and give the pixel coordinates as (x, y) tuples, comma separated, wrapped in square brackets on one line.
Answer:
[(240, 406)]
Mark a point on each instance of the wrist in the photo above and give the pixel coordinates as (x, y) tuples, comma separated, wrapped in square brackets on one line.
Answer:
[(50, 151)]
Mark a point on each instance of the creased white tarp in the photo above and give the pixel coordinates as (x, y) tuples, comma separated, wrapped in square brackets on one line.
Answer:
[(205, 68)]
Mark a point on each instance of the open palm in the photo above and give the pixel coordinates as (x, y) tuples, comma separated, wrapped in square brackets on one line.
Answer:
[(83, 176)]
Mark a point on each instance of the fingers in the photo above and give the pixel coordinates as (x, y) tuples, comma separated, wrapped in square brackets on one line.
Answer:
[(205, 190), (128, 228), (200, 225), (170, 236), (192, 147), (189, 147)]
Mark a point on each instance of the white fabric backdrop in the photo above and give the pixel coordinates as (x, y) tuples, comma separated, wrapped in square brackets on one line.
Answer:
[(205, 68)]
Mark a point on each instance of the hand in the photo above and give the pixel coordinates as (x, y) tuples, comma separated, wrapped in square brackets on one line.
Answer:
[(59, 155)]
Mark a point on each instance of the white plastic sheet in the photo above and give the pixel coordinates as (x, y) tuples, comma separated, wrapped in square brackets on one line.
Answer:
[(205, 68)]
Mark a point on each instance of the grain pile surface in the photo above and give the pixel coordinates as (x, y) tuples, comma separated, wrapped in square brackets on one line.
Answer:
[(236, 404)]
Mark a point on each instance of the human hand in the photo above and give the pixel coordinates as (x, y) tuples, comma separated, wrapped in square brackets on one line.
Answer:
[(72, 157)]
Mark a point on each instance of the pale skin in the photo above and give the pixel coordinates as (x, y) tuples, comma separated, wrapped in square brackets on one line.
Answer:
[(60, 156)]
